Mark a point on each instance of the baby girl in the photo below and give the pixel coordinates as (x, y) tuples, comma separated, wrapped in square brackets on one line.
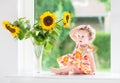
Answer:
[(81, 60)]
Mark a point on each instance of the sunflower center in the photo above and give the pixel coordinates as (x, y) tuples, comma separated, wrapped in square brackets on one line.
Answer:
[(67, 18), (10, 29), (48, 20)]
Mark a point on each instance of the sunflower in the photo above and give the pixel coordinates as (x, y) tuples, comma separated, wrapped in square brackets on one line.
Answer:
[(66, 19), (11, 28), (4, 23), (47, 20)]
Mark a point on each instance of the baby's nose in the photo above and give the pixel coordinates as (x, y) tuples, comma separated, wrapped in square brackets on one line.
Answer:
[(80, 38)]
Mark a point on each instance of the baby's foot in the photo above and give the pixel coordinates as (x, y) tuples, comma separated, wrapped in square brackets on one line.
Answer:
[(58, 71), (54, 70), (92, 73)]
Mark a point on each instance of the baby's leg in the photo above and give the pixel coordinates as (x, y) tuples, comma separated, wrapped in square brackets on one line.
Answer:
[(69, 69), (64, 70)]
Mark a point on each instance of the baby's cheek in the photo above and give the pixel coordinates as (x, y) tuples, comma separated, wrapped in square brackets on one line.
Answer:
[(77, 40), (86, 40)]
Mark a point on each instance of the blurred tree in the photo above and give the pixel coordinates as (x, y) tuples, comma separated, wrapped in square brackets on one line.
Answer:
[(45, 5), (52, 6), (102, 43)]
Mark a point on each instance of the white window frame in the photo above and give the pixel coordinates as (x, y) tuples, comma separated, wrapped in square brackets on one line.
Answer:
[(25, 48), (26, 57)]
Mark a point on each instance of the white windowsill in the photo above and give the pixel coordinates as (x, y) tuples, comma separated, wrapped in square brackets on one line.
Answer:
[(53, 76)]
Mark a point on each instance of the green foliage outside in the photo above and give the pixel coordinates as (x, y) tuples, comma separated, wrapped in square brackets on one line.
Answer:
[(56, 6), (102, 46), (107, 4), (64, 44)]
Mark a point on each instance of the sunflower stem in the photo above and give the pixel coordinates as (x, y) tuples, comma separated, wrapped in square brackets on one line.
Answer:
[(59, 21)]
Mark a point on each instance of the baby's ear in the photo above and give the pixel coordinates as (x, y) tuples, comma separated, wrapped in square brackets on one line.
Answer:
[(90, 38)]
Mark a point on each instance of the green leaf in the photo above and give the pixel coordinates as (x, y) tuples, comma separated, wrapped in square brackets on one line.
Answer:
[(28, 35), (54, 33), (21, 19), (41, 35), (52, 37), (28, 21), (15, 23), (48, 45), (58, 27), (37, 27), (22, 28), (21, 36), (38, 42), (36, 22)]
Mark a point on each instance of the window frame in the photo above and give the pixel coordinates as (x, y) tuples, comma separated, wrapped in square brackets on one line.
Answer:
[(26, 57), (26, 63)]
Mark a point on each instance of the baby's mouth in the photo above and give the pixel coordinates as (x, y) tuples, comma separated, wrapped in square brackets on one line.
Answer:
[(80, 41)]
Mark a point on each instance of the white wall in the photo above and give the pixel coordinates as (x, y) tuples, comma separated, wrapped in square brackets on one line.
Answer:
[(115, 37), (8, 46)]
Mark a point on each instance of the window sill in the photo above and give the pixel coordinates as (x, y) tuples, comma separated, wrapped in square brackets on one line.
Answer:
[(53, 76)]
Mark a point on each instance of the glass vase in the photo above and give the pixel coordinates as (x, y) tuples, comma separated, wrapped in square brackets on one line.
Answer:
[(38, 56)]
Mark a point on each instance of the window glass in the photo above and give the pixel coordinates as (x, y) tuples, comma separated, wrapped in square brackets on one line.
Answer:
[(91, 12)]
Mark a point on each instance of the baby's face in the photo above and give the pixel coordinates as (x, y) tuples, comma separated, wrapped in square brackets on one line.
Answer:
[(82, 37)]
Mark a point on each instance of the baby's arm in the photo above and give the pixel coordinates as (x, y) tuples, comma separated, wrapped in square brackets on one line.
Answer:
[(92, 62), (72, 34), (73, 31)]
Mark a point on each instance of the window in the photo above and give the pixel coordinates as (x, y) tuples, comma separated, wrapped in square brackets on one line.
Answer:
[(88, 14), (25, 52)]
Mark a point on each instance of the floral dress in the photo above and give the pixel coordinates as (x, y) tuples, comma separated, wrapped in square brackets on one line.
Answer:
[(79, 58)]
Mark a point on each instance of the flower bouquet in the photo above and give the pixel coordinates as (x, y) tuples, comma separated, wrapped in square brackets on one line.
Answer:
[(43, 33)]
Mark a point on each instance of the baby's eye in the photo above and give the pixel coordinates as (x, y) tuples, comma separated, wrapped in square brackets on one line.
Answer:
[(82, 36), (78, 35)]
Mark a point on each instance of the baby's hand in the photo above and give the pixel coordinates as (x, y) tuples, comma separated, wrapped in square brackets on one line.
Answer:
[(92, 73)]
